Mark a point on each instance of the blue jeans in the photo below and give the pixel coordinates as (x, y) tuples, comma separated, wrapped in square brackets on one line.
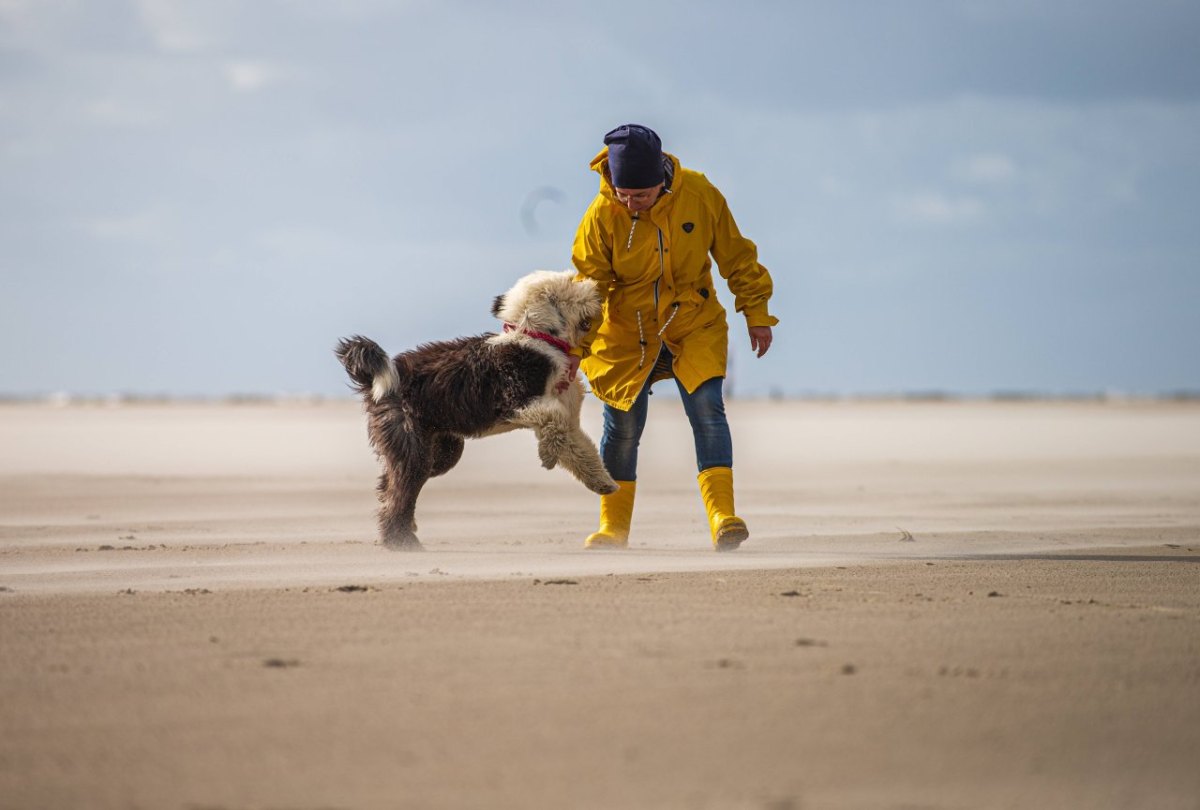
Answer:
[(705, 409)]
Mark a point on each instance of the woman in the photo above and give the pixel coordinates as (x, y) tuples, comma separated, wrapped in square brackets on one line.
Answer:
[(646, 240)]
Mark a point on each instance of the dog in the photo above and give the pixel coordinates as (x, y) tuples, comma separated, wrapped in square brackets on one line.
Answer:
[(422, 404)]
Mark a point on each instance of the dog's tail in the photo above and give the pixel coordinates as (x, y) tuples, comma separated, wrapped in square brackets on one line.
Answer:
[(372, 371)]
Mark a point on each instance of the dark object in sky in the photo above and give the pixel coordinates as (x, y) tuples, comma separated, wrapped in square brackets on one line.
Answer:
[(529, 207)]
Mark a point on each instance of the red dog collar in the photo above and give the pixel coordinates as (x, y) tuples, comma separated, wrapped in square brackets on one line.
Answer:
[(557, 343)]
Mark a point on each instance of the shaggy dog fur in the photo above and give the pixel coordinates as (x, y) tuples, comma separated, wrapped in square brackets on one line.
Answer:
[(423, 403)]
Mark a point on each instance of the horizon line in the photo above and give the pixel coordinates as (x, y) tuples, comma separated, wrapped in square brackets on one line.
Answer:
[(64, 399)]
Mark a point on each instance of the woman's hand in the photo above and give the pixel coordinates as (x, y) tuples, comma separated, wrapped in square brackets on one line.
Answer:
[(564, 382), (760, 339)]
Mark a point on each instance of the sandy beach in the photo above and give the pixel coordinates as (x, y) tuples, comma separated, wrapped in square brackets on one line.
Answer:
[(194, 614)]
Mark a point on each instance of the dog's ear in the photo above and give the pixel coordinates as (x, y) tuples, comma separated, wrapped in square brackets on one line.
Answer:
[(497, 305)]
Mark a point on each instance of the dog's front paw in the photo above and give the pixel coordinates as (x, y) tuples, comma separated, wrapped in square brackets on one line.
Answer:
[(549, 457), (604, 486)]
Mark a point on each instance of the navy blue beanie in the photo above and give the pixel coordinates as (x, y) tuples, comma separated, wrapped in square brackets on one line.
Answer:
[(635, 158)]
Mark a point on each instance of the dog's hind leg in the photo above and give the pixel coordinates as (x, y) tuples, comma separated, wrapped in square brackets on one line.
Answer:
[(446, 450), (391, 527), (398, 504), (407, 463)]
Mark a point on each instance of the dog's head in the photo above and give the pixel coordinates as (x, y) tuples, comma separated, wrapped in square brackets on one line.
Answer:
[(550, 302)]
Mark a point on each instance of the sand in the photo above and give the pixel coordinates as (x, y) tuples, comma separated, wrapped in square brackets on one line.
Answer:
[(194, 614)]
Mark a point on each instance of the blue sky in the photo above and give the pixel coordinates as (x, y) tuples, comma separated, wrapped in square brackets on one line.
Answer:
[(199, 198)]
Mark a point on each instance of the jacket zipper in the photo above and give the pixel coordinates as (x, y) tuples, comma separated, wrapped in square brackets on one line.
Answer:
[(661, 269)]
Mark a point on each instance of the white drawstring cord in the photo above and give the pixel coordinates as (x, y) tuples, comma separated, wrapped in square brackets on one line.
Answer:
[(642, 335), (674, 306)]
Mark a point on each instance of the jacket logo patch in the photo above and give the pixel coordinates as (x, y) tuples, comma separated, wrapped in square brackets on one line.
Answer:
[(687, 227)]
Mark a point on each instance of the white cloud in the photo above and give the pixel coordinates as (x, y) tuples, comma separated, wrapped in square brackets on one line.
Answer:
[(355, 10), (305, 244), (113, 113), (174, 26), (936, 208), (10, 10), (139, 227), (987, 168), (835, 186), (248, 76)]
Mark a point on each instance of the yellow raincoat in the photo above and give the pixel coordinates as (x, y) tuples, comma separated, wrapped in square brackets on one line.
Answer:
[(656, 284)]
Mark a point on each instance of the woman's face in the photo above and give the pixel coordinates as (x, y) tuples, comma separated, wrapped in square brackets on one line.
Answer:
[(638, 199)]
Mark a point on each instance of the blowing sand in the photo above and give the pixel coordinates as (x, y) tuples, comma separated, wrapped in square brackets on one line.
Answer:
[(194, 614)]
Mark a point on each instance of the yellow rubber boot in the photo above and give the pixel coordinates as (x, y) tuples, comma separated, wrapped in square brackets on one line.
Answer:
[(716, 488), (616, 512)]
